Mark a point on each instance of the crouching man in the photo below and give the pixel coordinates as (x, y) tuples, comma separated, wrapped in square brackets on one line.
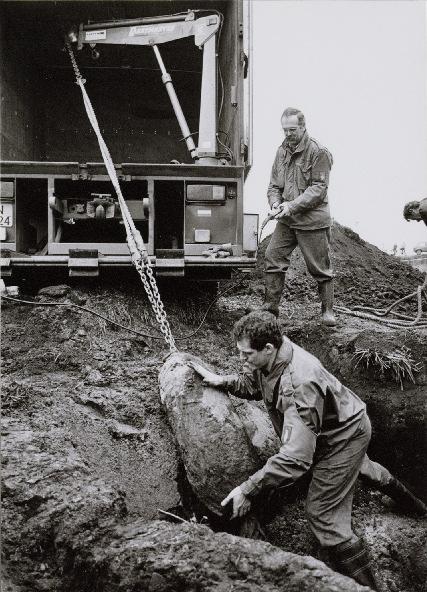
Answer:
[(323, 426)]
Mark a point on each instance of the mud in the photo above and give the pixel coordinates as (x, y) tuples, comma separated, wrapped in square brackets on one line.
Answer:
[(89, 456)]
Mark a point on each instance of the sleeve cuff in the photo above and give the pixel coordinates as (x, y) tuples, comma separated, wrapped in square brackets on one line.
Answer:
[(229, 381), (250, 488)]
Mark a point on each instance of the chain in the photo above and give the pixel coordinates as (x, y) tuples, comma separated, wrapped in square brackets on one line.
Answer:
[(135, 242), (74, 63), (146, 274)]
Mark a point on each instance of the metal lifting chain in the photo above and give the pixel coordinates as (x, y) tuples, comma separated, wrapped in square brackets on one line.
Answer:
[(135, 242)]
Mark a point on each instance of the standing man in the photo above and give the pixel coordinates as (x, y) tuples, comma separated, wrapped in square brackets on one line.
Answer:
[(416, 210), (298, 194), (322, 425)]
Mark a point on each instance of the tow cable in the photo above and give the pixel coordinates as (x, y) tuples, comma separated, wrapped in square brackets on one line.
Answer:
[(134, 239)]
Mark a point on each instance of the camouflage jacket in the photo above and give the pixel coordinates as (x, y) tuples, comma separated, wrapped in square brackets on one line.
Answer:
[(301, 177)]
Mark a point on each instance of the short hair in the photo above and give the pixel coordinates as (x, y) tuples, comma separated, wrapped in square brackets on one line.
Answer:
[(259, 327), (409, 207), (292, 111)]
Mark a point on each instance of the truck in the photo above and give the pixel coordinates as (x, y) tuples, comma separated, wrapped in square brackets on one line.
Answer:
[(172, 97)]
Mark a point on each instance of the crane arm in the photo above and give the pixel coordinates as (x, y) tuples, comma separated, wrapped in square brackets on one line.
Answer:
[(153, 31)]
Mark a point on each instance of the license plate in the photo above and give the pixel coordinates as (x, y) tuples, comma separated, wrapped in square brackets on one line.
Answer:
[(6, 215)]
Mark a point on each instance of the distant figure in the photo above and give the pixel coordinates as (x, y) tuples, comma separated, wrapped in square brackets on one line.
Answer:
[(403, 249), (395, 249), (416, 210)]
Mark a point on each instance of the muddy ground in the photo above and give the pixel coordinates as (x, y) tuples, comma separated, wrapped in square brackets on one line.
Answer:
[(90, 460)]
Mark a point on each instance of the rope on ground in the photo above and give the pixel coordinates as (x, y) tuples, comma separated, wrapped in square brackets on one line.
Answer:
[(402, 321)]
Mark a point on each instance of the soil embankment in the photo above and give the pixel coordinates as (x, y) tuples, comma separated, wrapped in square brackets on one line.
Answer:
[(89, 457)]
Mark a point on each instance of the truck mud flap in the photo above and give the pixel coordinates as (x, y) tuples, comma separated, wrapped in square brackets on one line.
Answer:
[(83, 262)]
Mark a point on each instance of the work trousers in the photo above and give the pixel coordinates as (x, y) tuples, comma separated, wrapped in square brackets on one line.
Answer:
[(336, 468), (314, 245)]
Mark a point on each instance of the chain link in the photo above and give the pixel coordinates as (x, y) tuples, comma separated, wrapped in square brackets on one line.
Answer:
[(146, 274), (74, 63), (135, 242)]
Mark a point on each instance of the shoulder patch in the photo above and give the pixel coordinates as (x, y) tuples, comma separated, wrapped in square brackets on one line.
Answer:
[(325, 152)]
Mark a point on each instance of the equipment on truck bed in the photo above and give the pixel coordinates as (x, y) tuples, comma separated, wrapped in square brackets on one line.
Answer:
[(152, 31)]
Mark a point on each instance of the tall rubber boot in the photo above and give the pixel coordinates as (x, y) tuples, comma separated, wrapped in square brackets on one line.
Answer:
[(404, 499), (274, 284), (352, 560), (326, 292)]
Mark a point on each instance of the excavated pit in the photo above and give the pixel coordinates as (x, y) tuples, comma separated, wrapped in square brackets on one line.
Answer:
[(90, 459)]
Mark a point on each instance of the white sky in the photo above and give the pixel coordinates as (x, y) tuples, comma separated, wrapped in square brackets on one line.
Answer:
[(357, 69)]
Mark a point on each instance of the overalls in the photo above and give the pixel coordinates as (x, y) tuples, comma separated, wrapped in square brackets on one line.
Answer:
[(335, 467)]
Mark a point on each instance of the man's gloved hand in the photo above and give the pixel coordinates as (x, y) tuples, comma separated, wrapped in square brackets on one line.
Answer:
[(282, 210), (241, 503), (209, 377)]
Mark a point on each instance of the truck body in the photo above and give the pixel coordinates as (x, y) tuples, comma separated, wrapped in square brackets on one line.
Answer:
[(58, 207)]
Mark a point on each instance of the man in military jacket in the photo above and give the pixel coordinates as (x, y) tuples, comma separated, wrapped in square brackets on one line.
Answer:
[(298, 195)]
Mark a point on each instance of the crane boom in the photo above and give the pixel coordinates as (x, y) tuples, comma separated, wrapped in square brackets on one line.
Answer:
[(154, 31)]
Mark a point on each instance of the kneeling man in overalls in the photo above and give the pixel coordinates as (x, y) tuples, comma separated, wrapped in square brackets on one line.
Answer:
[(322, 425)]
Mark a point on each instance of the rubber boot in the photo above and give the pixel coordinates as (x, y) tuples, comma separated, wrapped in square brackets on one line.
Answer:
[(353, 560), (326, 291), (274, 284), (404, 499)]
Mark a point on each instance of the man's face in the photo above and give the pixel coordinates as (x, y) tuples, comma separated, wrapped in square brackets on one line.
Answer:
[(292, 130), (253, 359), (414, 214)]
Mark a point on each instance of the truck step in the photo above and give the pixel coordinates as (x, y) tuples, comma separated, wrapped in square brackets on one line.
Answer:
[(83, 262)]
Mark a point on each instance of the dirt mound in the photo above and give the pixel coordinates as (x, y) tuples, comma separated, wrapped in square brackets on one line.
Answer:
[(87, 445), (364, 274)]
